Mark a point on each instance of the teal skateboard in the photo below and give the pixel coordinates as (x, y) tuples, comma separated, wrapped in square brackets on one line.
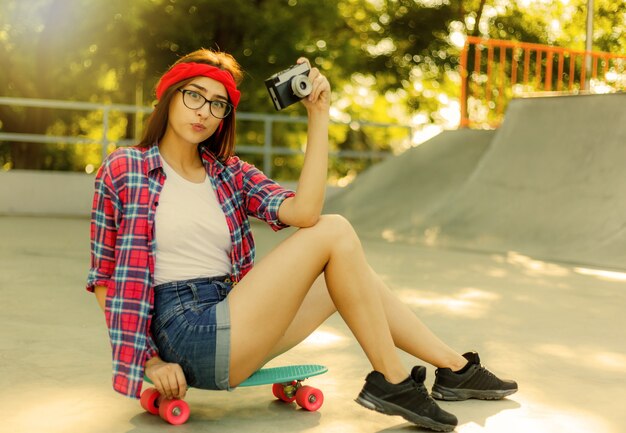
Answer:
[(286, 386)]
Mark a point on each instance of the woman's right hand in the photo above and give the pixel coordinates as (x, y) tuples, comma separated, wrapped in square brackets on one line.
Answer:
[(168, 378)]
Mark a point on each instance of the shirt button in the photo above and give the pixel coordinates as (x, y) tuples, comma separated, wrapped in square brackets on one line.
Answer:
[(156, 203)]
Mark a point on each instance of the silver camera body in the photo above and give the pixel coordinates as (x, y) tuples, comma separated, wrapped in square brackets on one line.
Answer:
[(289, 86)]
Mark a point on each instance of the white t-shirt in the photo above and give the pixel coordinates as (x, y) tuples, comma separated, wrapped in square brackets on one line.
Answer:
[(191, 234)]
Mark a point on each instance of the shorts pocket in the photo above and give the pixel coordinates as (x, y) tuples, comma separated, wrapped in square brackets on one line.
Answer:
[(200, 314)]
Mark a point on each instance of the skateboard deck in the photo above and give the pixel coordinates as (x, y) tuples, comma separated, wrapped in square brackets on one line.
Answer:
[(268, 376), (286, 386)]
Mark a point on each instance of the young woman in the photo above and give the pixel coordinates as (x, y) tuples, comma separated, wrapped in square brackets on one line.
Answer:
[(172, 260)]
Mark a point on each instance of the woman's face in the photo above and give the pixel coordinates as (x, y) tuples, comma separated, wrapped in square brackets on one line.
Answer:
[(195, 125)]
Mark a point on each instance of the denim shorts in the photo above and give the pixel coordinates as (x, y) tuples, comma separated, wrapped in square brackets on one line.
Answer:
[(191, 327)]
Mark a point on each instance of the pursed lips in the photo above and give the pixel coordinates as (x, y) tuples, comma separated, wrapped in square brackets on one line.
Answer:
[(198, 126)]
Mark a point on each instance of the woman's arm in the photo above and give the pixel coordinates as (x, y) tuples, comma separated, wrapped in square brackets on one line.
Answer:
[(168, 378), (105, 213), (304, 209), (101, 295)]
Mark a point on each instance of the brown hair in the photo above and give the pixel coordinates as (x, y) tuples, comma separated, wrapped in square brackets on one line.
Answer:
[(222, 142)]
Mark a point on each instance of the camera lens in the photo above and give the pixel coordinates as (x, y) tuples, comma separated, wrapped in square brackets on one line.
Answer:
[(301, 86)]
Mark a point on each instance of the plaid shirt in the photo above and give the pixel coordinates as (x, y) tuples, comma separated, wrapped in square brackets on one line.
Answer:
[(127, 189)]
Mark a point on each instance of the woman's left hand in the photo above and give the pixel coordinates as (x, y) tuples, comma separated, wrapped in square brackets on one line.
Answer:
[(319, 99)]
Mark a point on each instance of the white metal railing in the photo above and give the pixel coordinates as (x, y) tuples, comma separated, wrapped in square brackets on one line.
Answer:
[(267, 150)]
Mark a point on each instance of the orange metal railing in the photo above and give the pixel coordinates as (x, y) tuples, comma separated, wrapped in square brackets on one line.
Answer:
[(494, 71)]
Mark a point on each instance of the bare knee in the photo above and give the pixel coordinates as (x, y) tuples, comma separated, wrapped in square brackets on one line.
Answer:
[(335, 223), (339, 230)]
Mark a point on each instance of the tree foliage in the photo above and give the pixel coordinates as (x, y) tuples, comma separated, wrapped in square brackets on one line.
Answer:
[(387, 60)]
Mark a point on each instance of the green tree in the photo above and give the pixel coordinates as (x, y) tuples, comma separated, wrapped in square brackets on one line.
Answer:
[(64, 49), (387, 60), (264, 36)]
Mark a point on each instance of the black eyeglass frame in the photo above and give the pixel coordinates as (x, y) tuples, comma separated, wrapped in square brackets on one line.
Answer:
[(229, 106)]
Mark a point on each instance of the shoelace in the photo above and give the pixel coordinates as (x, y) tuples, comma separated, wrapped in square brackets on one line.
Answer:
[(484, 370), (489, 374), (422, 390)]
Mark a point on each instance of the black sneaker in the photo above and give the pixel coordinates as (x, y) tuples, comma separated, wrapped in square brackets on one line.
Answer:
[(473, 381), (409, 399)]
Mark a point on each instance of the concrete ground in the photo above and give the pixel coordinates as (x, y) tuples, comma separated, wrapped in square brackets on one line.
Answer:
[(559, 330)]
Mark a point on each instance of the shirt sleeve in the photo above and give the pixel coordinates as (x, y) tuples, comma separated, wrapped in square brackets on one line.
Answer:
[(152, 349), (263, 196), (104, 225)]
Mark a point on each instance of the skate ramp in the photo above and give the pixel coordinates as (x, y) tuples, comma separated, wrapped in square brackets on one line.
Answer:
[(552, 184), (400, 192)]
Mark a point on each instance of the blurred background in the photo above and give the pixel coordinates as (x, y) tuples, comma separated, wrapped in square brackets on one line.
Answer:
[(395, 68)]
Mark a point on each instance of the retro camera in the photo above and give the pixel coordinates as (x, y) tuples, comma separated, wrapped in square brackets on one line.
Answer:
[(289, 86)]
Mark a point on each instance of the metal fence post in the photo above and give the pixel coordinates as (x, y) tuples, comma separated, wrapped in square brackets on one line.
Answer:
[(589, 44), (105, 132), (267, 147)]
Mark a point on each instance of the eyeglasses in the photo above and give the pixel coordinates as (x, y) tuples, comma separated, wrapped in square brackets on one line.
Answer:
[(195, 101)]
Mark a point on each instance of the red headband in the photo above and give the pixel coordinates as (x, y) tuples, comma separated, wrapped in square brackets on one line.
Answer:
[(182, 71)]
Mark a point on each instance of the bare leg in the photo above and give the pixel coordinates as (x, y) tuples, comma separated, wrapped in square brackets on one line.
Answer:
[(315, 309), (267, 299), (408, 331), (411, 335)]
